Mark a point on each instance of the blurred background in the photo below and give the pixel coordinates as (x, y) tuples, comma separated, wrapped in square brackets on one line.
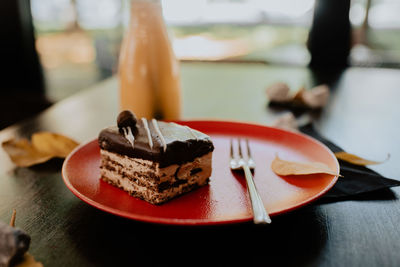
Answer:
[(78, 41)]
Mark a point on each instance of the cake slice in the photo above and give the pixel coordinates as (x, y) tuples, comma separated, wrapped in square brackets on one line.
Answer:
[(154, 160)]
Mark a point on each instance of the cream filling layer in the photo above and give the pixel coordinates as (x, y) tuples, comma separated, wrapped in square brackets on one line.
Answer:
[(129, 166)]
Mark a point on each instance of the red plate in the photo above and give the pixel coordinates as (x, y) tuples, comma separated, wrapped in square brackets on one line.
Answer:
[(225, 199)]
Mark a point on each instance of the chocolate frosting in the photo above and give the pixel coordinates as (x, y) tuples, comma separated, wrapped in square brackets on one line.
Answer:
[(182, 146)]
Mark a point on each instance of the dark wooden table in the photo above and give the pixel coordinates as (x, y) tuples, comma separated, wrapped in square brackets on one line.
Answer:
[(362, 117)]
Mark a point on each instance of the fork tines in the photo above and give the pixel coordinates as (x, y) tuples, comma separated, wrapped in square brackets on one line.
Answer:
[(240, 150)]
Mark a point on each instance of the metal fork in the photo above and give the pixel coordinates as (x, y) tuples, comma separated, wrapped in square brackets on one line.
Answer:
[(260, 215)]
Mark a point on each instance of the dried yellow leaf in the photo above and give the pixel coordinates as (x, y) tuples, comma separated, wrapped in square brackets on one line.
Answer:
[(354, 159), (283, 167), (29, 261), (44, 146), (53, 144)]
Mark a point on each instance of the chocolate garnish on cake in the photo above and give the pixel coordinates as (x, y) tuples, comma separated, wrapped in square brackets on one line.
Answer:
[(154, 160)]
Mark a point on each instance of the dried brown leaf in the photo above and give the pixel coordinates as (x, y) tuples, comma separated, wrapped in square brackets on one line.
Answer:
[(23, 154), (354, 159), (29, 261), (283, 167), (53, 144), (286, 121), (279, 92), (316, 97), (298, 96), (44, 146)]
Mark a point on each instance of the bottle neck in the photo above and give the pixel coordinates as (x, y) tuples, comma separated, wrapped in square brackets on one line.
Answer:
[(145, 10), (147, 1), (145, 6)]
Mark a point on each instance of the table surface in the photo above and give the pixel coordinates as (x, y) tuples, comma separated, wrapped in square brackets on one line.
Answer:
[(361, 117)]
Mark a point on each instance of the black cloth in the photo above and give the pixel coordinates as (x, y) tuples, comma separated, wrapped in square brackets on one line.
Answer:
[(356, 179)]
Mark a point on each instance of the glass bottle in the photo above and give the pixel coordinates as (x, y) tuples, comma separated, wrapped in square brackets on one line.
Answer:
[(148, 70)]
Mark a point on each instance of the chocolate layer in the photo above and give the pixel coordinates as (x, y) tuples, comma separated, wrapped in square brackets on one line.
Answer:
[(182, 146)]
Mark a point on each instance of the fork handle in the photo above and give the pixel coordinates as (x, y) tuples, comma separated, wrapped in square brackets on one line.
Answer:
[(260, 215)]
